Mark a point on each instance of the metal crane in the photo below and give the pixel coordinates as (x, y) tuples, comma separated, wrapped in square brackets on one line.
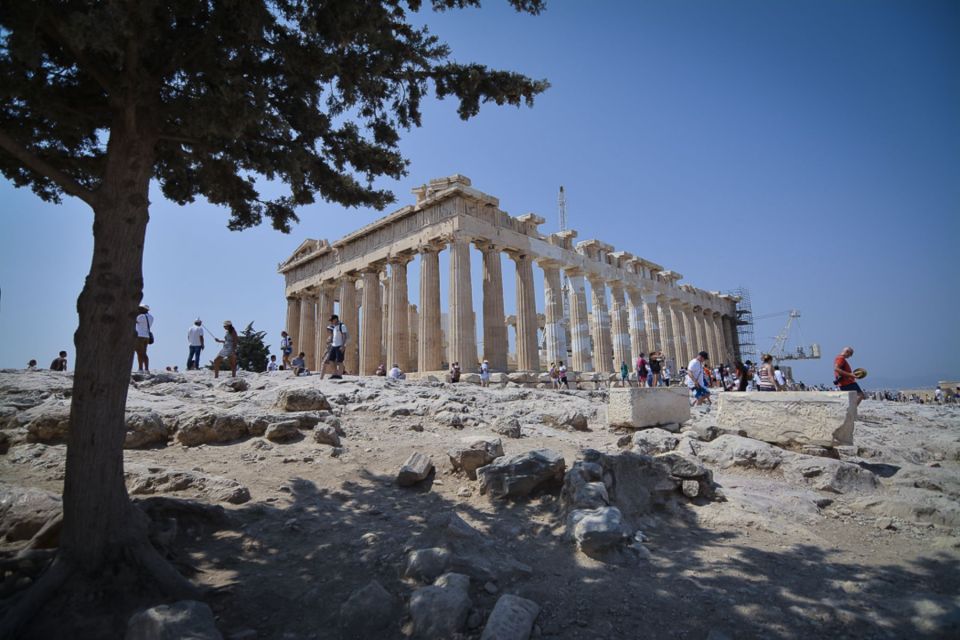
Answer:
[(812, 352)]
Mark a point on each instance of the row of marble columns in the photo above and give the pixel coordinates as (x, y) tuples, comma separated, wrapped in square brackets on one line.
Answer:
[(394, 331)]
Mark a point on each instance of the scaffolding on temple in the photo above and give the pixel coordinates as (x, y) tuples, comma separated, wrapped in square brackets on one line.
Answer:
[(745, 340)]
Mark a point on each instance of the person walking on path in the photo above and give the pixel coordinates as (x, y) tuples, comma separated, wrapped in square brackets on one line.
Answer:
[(778, 376), (641, 370), (624, 375), (742, 372), (768, 379), (286, 348), (335, 350), (60, 362), (229, 351), (195, 340), (562, 373), (695, 380), (844, 378), (144, 337)]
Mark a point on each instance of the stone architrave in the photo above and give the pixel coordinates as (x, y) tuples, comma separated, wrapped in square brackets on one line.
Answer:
[(580, 357), (641, 408), (293, 322), (371, 335), (325, 305), (350, 318), (528, 357), (430, 351), (650, 319), (638, 332), (398, 336), (413, 322), (307, 342), (823, 418), (679, 340), (619, 326), (602, 348), (667, 339), (462, 340), (495, 344), (554, 332)]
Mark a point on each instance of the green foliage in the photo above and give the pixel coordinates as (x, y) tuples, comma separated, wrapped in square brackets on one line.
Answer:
[(310, 93), (252, 352)]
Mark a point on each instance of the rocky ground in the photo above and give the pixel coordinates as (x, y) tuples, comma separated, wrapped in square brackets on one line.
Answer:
[(694, 534)]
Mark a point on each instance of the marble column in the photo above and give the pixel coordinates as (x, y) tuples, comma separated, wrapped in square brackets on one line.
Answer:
[(384, 315), (350, 318), (619, 327), (667, 339), (307, 341), (553, 329), (528, 357), (729, 336), (325, 302), (602, 347), (293, 322), (398, 334), (638, 331), (690, 332), (429, 351), (462, 341), (372, 333), (698, 328), (495, 343), (718, 338), (413, 322), (581, 356), (679, 340), (651, 320)]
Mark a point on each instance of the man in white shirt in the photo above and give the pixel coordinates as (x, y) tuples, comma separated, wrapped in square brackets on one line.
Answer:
[(394, 373), (144, 332), (695, 381), (778, 376), (195, 340), (338, 340), (272, 365)]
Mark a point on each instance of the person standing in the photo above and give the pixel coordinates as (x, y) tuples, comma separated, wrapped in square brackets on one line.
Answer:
[(641, 370), (562, 372), (455, 372), (656, 366), (484, 374), (767, 378), (742, 372), (338, 340), (195, 340), (844, 378), (60, 362), (144, 337), (286, 348), (229, 351), (695, 380), (778, 376), (624, 375)]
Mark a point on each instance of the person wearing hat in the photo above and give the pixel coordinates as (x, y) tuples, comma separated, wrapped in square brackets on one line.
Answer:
[(195, 340), (144, 327), (843, 376), (229, 351), (695, 380)]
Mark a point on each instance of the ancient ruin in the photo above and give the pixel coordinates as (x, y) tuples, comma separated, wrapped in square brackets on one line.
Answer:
[(635, 305)]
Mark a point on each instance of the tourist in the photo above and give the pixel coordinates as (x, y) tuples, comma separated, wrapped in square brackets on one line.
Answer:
[(767, 379), (562, 375), (656, 366), (455, 372), (624, 374), (381, 371), (272, 365), (395, 373), (286, 348), (844, 378), (937, 394), (195, 340), (32, 365), (667, 372), (335, 352), (484, 374), (778, 376), (695, 381), (642, 370), (59, 363), (299, 365), (229, 351), (144, 337)]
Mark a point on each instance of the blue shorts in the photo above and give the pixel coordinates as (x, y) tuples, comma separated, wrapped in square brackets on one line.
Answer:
[(699, 392), (853, 386)]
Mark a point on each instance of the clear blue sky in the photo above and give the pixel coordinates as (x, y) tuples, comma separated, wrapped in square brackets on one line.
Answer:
[(809, 151)]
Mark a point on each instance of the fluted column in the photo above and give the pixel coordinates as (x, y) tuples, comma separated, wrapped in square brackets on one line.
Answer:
[(699, 329), (664, 320), (528, 358), (325, 302), (462, 341), (556, 335), (413, 323), (429, 353), (651, 320), (729, 336), (638, 331), (689, 333), (619, 327), (372, 333), (718, 338), (307, 341), (495, 343), (581, 356), (350, 318), (293, 321), (679, 340), (384, 315), (602, 348), (398, 335)]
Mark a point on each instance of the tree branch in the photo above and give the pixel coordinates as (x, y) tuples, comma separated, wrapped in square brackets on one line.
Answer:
[(54, 28), (35, 163)]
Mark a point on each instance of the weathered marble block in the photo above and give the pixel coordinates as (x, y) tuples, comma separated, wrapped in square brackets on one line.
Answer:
[(822, 418), (647, 407)]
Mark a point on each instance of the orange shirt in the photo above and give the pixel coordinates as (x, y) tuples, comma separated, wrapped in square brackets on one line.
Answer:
[(845, 378)]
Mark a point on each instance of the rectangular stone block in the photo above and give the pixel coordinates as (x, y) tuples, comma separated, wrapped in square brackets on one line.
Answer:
[(823, 418), (647, 407)]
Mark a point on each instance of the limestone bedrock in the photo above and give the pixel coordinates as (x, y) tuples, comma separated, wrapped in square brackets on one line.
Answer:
[(822, 418), (647, 407)]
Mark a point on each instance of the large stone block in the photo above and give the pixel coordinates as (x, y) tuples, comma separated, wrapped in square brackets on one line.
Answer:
[(822, 418), (647, 407)]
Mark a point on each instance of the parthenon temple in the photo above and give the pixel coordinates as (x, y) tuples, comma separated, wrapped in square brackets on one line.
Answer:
[(634, 305)]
